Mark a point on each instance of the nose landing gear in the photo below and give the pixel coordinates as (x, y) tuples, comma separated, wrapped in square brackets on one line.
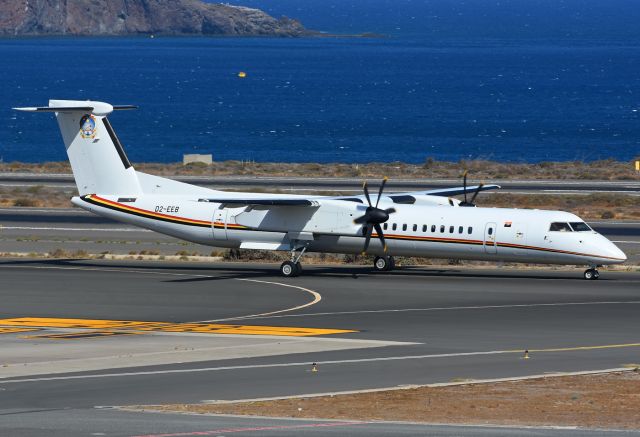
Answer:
[(591, 273)]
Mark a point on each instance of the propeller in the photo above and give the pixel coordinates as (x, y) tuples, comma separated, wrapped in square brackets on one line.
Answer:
[(475, 194), (374, 216)]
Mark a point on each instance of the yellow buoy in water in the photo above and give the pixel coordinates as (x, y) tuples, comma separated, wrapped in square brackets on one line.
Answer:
[(242, 74)]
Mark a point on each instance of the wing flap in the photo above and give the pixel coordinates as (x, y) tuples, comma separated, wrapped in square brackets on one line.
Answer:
[(264, 202)]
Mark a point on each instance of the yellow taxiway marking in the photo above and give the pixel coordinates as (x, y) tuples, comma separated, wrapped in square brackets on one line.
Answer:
[(81, 334), (206, 328), (13, 330)]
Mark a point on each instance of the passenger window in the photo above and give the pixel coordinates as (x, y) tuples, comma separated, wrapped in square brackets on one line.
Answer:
[(560, 227), (415, 228), (460, 230), (580, 226), (451, 229), (490, 231), (433, 228), (469, 230), (404, 227), (384, 226), (394, 227), (442, 229), (424, 228)]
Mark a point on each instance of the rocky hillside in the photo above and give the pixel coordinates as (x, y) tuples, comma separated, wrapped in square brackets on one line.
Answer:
[(131, 17)]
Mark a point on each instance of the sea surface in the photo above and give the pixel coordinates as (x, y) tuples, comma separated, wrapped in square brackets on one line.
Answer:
[(405, 97)]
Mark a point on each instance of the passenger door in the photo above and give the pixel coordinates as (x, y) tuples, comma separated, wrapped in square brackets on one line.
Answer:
[(490, 230)]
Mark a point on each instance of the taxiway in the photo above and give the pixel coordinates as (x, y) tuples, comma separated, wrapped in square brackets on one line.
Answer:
[(413, 326)]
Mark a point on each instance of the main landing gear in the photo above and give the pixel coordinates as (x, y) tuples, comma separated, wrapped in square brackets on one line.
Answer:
[(591, 273), (290, 269), (384, 263)]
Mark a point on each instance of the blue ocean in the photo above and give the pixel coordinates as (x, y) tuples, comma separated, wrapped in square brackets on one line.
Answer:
[(528, 88)]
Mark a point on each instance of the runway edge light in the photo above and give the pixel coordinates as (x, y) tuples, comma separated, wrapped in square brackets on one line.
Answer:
[(314, 368), (526, 354)]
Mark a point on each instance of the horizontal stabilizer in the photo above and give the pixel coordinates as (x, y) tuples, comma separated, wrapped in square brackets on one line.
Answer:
[(73, 106), (266, 202), (59, 109)]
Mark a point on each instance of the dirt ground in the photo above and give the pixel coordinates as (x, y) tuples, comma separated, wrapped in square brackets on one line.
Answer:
[(478, 169), (593, 401)]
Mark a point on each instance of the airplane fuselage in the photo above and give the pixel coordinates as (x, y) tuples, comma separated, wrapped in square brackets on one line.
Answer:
[(492, 234)]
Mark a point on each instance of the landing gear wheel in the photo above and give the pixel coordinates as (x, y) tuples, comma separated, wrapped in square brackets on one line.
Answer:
[(289, 270), (591, 274), (383, 263), (298, 268)]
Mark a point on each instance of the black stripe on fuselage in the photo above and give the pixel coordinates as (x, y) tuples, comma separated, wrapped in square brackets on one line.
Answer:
[(141, 214)]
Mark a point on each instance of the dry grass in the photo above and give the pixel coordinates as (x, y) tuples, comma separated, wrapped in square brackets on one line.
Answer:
[(594, 401), (489, 170)]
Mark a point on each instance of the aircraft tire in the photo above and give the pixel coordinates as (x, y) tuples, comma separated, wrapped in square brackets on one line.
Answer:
[(289, 270), (381, 264), (591, 274), (298, 268)]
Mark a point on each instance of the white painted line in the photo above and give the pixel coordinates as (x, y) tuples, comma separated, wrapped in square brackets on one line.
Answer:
[(625, 241), (414, 386), (292, 364), (460, 308), (316, 298), (250, 366), (38, 228)]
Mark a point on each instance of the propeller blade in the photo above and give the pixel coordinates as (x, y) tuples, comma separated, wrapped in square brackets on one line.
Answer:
[(366, 192), (381, 236), (464, 184), (384, 181), (476, 193), (390, 210), (367, 239), (361, 219)]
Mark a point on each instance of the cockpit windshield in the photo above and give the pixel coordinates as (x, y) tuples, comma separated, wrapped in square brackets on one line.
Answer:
[(560, 227), (569, 227), (580, 226)]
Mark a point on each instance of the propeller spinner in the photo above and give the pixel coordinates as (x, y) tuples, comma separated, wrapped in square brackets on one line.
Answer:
[(374, 217)]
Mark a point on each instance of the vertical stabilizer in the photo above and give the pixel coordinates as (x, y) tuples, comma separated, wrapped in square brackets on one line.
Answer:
[(97, 158)]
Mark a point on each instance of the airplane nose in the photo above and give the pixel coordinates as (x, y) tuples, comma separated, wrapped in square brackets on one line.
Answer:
[(615, 252)]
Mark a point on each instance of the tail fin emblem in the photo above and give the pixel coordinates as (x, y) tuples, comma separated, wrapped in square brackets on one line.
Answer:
[(88, 127)]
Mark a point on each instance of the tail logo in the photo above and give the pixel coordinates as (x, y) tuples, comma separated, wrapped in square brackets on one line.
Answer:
[(88, 127)]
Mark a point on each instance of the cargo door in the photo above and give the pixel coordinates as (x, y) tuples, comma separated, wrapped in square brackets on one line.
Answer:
[(490, 238), (220, 223)]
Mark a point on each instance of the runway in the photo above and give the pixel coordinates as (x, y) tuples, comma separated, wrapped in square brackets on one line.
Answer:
[(413, 326), (347, 184)]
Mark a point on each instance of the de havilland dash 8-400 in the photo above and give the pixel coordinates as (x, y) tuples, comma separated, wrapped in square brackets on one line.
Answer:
[(423, 224)]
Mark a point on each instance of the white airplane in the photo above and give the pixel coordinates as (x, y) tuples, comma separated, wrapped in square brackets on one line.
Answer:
[(422, 224)]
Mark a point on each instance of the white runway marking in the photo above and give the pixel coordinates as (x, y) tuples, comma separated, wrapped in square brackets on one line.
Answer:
[(459, 308), (306, 363), (317, 297), (626, 242)]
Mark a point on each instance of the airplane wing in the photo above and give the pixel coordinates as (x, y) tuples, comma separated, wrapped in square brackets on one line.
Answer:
[(457, 190)]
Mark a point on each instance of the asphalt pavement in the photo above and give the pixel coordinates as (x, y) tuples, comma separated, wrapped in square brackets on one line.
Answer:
[(413, 326)]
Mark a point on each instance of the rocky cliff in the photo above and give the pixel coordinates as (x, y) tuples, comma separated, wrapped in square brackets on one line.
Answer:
[(130, 17)]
